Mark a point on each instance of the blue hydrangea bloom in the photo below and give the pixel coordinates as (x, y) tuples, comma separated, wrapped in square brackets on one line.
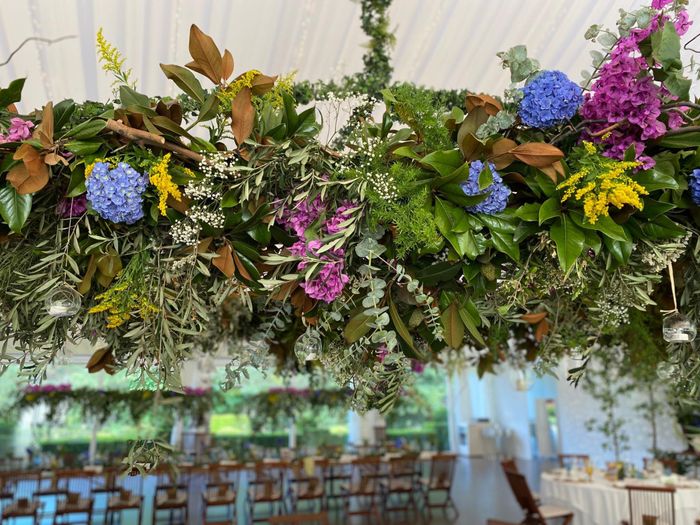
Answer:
[(117, 194), (498, 192), (549, 99), (694, 186)]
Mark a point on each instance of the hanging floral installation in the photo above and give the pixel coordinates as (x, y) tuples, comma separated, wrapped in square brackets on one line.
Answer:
[(280, 405), (100, 405), (220, 222)]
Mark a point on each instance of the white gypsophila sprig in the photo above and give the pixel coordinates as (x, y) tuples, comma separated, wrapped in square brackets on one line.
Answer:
[(185, 232), (214, 218)]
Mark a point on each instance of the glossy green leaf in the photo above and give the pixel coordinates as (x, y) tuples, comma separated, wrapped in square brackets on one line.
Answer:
[(550, 209), (528, 212), (504, 243), (660, 177), (444, 162), (14, 207), (12, 93), (453, 326), (357, 327), (399, 325), (471, 319), (86, 130), (185, 80), (569, 240)]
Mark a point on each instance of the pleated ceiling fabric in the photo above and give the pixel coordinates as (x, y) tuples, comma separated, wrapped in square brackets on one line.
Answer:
[(440, 43)]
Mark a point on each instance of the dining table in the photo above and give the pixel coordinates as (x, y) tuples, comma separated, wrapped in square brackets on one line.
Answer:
[(601, 501)]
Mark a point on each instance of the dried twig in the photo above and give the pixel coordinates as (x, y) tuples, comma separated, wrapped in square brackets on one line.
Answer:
[(48, 41), (139, 135)]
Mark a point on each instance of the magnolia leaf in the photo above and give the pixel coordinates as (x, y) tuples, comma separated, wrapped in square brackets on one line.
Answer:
[(400, 326), (242, 270), (12, 93), (226, 64), (185, 80), (542, 330), (491, 105), (453, 325), (26, 182), (243, 115), (500, 153), (14, 207), (537, 154), (533, 318), (44, 131), (357, 327), (206, 55), (224, 261), (262, 84), (86, 282)]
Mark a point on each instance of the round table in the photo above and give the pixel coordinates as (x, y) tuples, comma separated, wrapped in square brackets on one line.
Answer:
[(600, 502)]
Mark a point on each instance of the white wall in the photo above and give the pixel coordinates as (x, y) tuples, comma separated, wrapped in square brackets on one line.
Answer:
[(576, 407), (495, 397)]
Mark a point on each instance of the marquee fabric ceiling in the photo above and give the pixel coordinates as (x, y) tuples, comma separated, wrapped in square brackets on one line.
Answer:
[(440, 43)]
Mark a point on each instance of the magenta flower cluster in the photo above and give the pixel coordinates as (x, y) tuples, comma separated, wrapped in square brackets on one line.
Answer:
[(328, 284), (196, 391), (47, 389), (626, 96), (72, 207), (290, 390), (18, 131)]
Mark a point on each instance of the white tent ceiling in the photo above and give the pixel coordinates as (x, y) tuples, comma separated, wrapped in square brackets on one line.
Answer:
[(440, 43)]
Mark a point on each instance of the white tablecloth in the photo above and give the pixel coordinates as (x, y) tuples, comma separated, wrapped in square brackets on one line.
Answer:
[(601, 503)]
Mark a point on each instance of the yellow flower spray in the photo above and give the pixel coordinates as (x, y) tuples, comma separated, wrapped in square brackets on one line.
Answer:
[(602, 182), (112, 61), (160, 177)]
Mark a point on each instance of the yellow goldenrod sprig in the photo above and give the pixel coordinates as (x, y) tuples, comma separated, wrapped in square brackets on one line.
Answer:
[(601, 182), (113, 62), (160, 178)]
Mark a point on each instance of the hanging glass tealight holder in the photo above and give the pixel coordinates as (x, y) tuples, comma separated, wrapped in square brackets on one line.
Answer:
[(522, 381), (677, 328), (63, 301), (308, 345)]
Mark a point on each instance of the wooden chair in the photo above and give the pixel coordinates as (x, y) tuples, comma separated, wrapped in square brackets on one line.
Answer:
[(21, 508), (565, 458), (126, 496), (363, 487), (442, 471), (73, 505), (651, 505), (219, 492), (124, 501), (336, 474), (400, 484), (75, 498), (307, 488), (174, 501), (267, 487), (307, 519), (510, 465), (534, 513)]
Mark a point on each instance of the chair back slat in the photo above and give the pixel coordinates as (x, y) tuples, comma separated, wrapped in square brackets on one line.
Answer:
[(442, 470), (651, 505), (523, 495)]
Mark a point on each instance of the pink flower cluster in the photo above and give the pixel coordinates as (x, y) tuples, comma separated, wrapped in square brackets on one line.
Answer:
[(18, 131), (72, 207), (327, 285), (626, 95), (47, 389), (290, 390), (196, 391)]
